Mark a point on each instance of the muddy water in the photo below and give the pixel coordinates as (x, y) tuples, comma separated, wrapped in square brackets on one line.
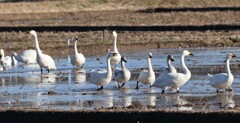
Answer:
[(23, 86)]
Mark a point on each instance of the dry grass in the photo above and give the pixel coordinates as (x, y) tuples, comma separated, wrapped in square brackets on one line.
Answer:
[(50, 41), (96, 5)]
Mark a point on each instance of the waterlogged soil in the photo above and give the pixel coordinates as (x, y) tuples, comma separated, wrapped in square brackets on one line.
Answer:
[(24, 87)]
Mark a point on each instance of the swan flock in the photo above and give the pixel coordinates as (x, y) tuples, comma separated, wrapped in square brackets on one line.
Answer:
[(169, 78)]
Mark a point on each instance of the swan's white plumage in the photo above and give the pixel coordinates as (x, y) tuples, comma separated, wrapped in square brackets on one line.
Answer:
[(44, 60), (223, 80), (102, 77), (77, 59), (27, 56), (116, 58), (122, 75), (147, 76), (7, 60), (174, 80), (169, 68)]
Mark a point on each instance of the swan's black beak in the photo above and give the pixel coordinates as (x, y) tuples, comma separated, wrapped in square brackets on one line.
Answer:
[(172, 60), (125, 61), (191, 54), (233, 56)]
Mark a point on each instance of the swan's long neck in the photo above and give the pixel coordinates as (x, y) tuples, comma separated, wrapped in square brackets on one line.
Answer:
[(185, 69), (2, 58), (37, 45), (75, 48), (149, 65), (123, 65), (228, 67), (169, 63), (109, 69), (115, 50), (12, 60)]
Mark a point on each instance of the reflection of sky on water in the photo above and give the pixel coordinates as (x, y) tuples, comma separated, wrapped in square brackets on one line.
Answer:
[(24, 86)]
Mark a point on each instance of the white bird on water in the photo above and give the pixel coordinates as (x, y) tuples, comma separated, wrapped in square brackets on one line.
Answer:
[(122, 75), (44, 60), (169, 68), (223, 80), (102, 77), (116, 58), (27, 56), (174, 80), (6, 60), (77, 59), (147, 76)]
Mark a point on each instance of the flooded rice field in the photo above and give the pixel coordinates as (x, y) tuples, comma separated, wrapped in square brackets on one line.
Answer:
[(23, 86)]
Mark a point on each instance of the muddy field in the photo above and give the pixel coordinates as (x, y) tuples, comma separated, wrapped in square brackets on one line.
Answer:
[(209, 29)]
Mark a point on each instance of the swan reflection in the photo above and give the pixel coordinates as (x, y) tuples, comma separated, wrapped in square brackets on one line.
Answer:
[(177, 101), (226, 100), (80, 75)]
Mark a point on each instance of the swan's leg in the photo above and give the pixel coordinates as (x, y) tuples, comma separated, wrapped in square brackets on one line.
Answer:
[(163, 91), (217, 90), (48, 70), (82, 66), (118, 85), (150, 86), (137, 85), (122, 85), (101, 87), (229, 89), (41, 70), (177, 90)]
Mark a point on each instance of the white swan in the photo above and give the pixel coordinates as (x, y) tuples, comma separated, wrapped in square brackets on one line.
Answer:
[(122, 75), (223, 80), (7, 60), (27, 56), (77, 59), (116, 58), (103, 77), (169, 68), (44, 60), (147, 76), (174, 80)]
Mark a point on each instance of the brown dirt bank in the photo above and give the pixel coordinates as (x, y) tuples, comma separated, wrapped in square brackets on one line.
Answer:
[(97, 42), (121, 116)]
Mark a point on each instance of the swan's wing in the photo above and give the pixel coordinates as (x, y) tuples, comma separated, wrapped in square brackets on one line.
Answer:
[(48, 61), (118, 73), (218, 79), (143, 76), (27, 56), (164, 69), (97, 76), (164, 80)]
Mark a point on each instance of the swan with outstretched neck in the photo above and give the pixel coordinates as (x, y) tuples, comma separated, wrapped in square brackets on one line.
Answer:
[(147, 76), (169, 68), (77, 59), (117, 57), (122, 75), (102, 77), (174, 80), (44, 60), (223, 80)]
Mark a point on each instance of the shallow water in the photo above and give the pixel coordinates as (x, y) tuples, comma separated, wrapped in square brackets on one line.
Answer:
[(23, 86)]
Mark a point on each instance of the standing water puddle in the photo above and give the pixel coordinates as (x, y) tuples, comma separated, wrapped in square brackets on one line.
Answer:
[(23, 86)]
